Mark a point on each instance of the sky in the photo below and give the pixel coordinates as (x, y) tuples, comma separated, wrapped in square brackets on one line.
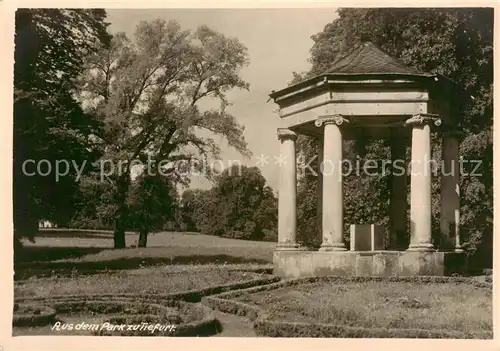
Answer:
[(278, 43)]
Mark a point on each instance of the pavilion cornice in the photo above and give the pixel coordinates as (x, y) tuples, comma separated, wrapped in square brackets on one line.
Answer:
[(340, 80), (425, 81)]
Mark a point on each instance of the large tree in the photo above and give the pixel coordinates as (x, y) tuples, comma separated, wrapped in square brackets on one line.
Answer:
[(457, 43), (49, 124), (147, 91)]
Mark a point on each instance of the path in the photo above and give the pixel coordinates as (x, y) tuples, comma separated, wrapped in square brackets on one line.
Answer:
[(234, 326)]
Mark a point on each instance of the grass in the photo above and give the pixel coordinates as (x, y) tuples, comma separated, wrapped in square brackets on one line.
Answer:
[(152, 280), (63, 251), (84, 262), (148, 280), (83, 251), (104, 239), (444, 306)]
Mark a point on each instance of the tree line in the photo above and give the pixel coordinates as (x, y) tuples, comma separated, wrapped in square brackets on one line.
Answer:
[(239, 205)]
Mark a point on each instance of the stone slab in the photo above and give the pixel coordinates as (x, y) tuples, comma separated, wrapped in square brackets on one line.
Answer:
[(367, 237)]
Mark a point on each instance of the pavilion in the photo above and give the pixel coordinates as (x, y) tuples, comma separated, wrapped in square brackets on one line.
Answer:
[(369, 94)]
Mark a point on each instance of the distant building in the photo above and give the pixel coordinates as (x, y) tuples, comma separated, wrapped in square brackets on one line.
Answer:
[(46, 224)]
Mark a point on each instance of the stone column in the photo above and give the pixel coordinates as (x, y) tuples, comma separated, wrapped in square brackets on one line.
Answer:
[(398, 203), (287, 195), (450, 194), (420, 208), (333, 211), (319, 194)]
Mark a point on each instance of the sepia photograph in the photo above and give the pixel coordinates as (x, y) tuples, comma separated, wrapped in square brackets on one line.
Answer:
[(253, 172)]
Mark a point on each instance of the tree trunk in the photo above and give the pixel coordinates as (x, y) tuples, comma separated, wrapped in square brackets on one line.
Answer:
[(143, 238), (119, 233), (122, 212)]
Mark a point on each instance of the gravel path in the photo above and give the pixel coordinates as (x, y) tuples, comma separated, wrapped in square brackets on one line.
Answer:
[(234, 326)]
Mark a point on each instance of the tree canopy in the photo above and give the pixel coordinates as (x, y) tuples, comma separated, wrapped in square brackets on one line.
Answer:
[(49, 124)]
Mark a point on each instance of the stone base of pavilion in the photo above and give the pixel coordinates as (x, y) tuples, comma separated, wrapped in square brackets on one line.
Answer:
[(301, 263)]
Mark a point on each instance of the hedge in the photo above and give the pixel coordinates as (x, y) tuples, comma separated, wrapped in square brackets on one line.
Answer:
[(286, 329), (188, 296), (208, 325), (42, 315), (264, 326), (22, 272)]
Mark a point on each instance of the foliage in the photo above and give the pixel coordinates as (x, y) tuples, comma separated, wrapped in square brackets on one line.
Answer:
[(147, 92), (373, 190), (50, 45), (189, 202), (94, 204), (457, 43), (240, 205), (153, 201)]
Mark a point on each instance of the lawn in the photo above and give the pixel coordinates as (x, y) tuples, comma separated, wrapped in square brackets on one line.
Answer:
[(153, 280), (84, 263), (104, 239), (63, 251), (443, 306)]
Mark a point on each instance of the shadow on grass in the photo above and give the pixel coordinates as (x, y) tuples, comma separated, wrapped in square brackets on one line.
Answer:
[(78, 233), (81, 235), (46, 253), (44, 269)]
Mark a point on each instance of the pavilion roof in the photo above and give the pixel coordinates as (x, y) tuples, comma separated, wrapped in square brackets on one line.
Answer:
[(369, 59), (366, 61)]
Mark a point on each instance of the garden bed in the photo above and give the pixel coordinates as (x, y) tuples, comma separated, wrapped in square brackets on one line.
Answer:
[(32, 315), (405, 307), (97, 317), (144, 281), (143, 303)]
